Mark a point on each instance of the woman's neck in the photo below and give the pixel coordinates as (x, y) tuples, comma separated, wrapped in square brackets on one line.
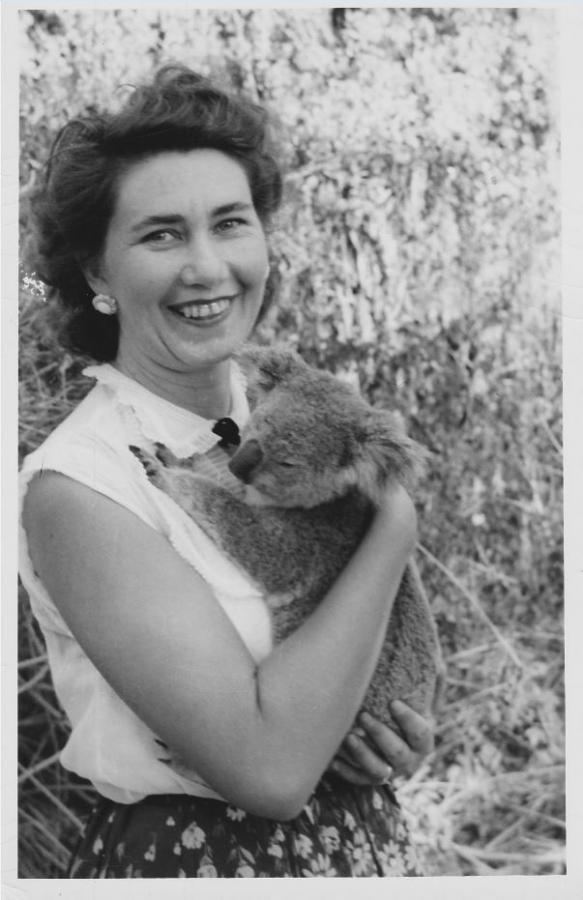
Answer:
[(205, 391)]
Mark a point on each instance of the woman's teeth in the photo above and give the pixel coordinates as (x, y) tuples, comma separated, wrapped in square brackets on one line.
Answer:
[(203, 310)]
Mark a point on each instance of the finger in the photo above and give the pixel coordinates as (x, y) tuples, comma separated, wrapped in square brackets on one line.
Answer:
[(349, 773), (365, 758), (417, 730), (344, 749), (391, 746), (345, 754), (416, 736)]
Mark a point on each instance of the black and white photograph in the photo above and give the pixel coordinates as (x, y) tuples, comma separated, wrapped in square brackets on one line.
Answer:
[(290, 444)]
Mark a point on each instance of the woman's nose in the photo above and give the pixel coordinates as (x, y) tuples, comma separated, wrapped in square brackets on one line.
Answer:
[(205, 264)]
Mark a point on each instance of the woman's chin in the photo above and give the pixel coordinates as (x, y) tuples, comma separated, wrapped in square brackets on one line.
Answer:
[(212, 344)]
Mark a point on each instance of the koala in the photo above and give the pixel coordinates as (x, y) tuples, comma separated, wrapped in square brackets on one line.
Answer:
[(314, 457)]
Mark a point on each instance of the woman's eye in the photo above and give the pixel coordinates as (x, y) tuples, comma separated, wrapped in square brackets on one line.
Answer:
[(160, 237), (230, 224)]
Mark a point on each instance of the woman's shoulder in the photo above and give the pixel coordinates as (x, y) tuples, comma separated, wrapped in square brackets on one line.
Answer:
[(94, 425), (92, 447)]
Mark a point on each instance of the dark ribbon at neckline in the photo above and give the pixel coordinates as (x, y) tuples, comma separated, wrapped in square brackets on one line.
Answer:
[(228, 431)]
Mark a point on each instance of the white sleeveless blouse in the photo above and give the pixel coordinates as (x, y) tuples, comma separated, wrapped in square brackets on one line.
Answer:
[(108, 744)]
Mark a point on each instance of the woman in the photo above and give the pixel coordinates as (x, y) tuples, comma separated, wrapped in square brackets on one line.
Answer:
[(215, 754)]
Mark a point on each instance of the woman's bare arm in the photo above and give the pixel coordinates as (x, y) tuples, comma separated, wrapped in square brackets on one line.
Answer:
[(260, 735)]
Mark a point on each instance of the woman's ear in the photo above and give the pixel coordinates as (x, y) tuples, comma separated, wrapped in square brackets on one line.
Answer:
[(93, 277)]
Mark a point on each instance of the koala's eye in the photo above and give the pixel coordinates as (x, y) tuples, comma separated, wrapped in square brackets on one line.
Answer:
[(287, 463)]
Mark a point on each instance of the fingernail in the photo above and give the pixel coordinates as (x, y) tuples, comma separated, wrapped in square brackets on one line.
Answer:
[(365, 718), (398, 705), (353, 741)]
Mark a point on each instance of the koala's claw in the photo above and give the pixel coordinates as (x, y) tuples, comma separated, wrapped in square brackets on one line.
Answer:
[(164, 455), (149, 463)]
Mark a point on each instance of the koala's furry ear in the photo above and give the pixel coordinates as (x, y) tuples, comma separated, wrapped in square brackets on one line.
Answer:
[(266, 367), (387, 452)]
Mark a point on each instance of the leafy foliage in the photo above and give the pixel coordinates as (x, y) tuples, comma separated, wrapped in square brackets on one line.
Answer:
[(417, 257)]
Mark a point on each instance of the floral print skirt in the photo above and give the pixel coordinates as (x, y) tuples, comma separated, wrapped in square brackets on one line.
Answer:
[(343, 831)]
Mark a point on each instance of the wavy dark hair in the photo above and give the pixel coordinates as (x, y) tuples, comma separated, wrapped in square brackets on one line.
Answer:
[(178, 110)]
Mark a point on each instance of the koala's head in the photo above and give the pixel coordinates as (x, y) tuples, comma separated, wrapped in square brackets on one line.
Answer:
[(311, 437)]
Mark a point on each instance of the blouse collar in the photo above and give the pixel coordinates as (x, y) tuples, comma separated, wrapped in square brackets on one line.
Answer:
[(182, 431)]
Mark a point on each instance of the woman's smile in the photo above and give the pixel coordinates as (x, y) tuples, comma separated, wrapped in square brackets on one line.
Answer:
[(204, 312)]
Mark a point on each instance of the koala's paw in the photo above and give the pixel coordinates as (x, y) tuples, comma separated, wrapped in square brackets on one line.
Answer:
[(150, 463), (155, 465), (165, 456)]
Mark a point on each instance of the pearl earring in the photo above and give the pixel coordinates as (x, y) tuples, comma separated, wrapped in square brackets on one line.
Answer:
[(104, 304)]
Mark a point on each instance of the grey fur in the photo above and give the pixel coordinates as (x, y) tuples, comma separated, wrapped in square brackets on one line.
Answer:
[(315, 456)]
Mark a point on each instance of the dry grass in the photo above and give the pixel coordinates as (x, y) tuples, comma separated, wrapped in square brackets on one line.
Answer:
[(490, 800)]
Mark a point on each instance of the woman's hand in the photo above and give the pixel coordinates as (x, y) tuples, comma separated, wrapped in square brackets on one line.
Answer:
[(393, 754)]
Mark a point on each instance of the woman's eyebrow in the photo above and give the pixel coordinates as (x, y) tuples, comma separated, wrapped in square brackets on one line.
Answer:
[(239, 206), (160, 219), (176, 219)]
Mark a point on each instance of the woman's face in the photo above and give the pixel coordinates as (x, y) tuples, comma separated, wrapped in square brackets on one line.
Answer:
[(185, 257)]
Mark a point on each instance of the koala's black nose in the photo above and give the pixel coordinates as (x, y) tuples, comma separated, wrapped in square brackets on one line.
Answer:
[(245, 460)]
